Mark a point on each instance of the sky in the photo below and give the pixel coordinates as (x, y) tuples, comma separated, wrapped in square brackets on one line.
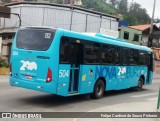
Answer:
[(148, 5)]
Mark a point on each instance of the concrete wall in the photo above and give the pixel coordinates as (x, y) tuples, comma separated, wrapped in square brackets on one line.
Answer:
[(132, 32), (157, 52), (6, 48), (58, 16), (157, 67), (145, 40)]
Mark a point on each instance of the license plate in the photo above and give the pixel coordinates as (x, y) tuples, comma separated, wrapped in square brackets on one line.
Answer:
[(28, 77)]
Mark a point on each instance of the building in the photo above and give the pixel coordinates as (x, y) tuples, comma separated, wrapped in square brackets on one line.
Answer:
[(157, 53), (139, 34), (53, 15)]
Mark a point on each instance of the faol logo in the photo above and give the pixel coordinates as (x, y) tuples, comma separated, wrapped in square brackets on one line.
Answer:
[(29, 65), (122, 70)]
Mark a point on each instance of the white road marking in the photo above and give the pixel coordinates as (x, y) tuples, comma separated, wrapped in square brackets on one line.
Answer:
[(153, 99), (144, 95)]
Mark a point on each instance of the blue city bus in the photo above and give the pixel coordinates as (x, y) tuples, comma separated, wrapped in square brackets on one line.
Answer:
[(66, 63)]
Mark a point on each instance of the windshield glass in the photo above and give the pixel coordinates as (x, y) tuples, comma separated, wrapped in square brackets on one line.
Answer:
[(34, 39)]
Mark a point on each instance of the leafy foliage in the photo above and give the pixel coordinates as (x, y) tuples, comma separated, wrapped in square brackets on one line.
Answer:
[(123, 6), (31, 0), (3, 63), (137, 14), (98, 5), (56, 1), (113, 3), (133, 12)]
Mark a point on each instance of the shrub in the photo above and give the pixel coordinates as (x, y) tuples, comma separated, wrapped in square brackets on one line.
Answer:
[(3, 63)]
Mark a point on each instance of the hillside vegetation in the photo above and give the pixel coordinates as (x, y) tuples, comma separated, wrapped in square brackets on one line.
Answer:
[(131, 12), (99, 5)]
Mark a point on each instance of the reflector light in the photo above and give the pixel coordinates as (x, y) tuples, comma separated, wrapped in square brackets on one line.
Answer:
[(10, 69)]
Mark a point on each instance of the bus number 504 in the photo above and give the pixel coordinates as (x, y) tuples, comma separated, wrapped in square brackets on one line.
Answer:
[(63, 73)]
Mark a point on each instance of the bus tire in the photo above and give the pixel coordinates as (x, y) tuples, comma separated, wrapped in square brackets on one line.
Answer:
[(140, 84), (99, 88)]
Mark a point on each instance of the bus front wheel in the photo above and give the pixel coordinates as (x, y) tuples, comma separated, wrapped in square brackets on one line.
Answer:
[(98, 89)]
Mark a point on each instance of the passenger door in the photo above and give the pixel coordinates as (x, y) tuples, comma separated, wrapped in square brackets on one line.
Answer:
[(76, 58), (71, 56)]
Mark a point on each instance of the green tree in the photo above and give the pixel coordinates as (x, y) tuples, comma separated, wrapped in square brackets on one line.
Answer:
[(137, 15), (123, 6), (98, 5), (56, 1), (31, 0), (113, 3)]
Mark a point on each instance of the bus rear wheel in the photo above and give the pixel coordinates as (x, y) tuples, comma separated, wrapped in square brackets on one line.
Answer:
[(98, 89), (140, 83)]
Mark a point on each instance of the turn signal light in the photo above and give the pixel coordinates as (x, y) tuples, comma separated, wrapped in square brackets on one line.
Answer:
[(49, 75)]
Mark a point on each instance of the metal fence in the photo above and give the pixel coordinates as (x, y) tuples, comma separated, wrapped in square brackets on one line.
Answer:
[(67, 17)]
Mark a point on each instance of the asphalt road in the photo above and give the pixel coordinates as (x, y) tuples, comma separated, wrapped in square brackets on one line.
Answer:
[(14, 99)]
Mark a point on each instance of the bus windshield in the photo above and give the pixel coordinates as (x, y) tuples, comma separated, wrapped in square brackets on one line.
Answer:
[(34, 39)]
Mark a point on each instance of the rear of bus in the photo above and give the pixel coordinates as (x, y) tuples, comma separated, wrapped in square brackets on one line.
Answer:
[(34, 59)]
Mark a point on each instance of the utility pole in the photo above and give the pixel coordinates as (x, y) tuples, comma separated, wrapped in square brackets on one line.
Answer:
[(150, 38)]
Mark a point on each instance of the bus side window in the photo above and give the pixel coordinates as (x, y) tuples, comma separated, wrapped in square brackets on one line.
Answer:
[(88, 53), (97, 52), (92, 52), (134, 57), (64, 50), (108, 54), (125, 57), (142, 58), (117, 55)]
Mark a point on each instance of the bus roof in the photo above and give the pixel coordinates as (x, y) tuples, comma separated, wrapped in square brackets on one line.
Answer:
[(96, 38), (101, 39), (38, 27)]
